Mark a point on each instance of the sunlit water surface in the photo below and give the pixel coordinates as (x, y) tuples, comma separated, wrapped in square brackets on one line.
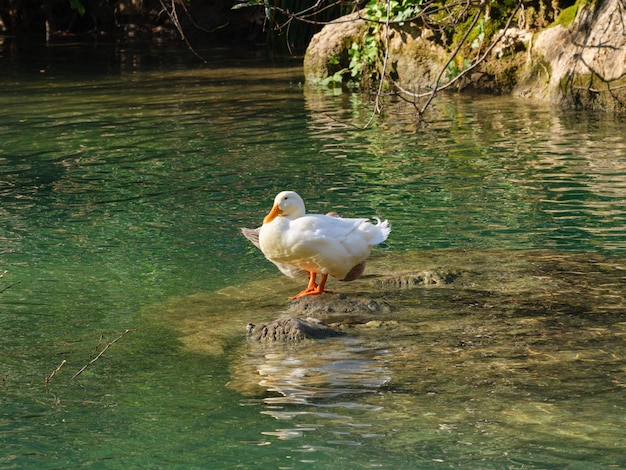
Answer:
[(126, 174)]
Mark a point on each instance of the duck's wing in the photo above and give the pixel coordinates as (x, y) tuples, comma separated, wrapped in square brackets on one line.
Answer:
[(288, 270), (317, 226), (252, 234)]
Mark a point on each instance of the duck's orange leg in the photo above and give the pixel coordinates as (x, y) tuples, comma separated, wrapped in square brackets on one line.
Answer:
[(310, 288), (313, 288)]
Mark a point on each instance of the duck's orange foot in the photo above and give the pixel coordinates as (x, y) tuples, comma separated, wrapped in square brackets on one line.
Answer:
[(306, 292), (313, 288)]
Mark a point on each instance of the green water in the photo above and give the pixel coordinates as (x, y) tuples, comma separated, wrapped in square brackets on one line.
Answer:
[(126, 173)]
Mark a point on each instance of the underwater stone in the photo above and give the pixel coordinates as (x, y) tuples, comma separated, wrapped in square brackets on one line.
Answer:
[(340, 310), (290, 329), (421, 279), (340, 303)]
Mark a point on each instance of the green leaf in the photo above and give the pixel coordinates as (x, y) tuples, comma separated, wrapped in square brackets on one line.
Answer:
[(249, 3), (78, 6)]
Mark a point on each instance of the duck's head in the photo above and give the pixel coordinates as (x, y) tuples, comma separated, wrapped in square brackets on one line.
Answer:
[(286, 204)]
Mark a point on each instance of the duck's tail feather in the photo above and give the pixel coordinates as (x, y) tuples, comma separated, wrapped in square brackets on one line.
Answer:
[(380, 231)]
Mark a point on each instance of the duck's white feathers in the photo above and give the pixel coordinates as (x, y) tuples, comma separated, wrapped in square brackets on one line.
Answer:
[(318, 243), (287, 269)]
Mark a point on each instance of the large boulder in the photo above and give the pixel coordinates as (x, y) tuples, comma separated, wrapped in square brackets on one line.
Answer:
[(414, 56), (327, 52), (583, 65)]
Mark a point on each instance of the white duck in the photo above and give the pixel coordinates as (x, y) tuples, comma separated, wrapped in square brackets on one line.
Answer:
[(316, 243), (252, 234)]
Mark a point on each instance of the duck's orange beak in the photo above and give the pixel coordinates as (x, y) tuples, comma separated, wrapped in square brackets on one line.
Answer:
[(275, 212)]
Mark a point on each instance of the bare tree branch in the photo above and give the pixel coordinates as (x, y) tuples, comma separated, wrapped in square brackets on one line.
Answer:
[(9, 286), (53, 373), (100, 353), (437, 88), (173, 15)]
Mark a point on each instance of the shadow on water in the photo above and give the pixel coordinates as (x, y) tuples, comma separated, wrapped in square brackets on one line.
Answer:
[(487, 359)]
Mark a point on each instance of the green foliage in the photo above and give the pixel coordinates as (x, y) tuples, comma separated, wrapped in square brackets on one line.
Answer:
[(367, 52), (248, 3), (481, 33), (566, 16), (484, 29), (399, 11), (454, 69), (480, 36), (254, 3), (78, 6), (363, 55), (451, 26), (335, 80)]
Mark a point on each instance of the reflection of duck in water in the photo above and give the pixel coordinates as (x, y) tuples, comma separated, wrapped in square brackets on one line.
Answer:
[(317, 244), (316, 373), (325, 388)]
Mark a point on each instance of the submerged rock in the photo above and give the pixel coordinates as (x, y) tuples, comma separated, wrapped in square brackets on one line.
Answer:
[(504, 340), (294, 372), (419, 279), (410, 294), (340, 309), (290, 329)]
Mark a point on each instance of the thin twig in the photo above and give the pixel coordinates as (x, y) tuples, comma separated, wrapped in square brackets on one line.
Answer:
[(464, 72), (377, 106), (54, 372), (437, 88), (9, 286), (592, 90), (100, 354), (96, 347), (174, 18), (483, 4), (487, 51)]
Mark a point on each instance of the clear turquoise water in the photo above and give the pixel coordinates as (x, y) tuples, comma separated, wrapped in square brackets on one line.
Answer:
[(126, 174)]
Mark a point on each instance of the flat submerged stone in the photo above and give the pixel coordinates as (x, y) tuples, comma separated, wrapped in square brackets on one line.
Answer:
[(409, 293)]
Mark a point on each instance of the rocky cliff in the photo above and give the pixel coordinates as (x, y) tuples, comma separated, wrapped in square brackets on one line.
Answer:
[(583, 65), (577, 65)]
